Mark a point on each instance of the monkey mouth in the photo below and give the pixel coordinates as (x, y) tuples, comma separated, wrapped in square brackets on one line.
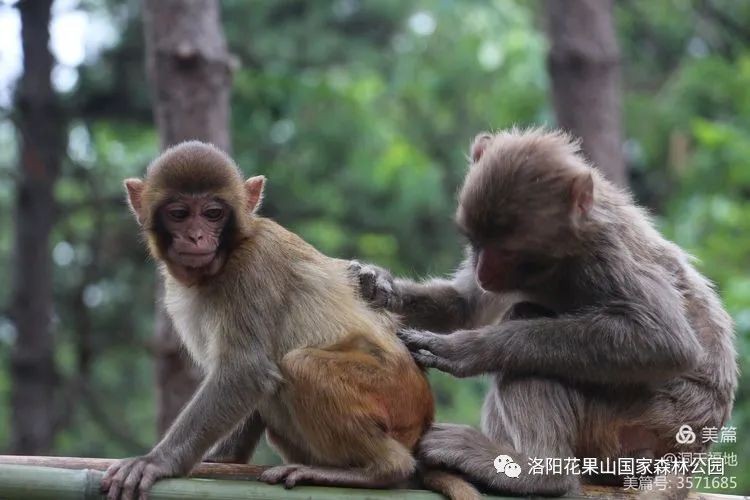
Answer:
[(196, 259)]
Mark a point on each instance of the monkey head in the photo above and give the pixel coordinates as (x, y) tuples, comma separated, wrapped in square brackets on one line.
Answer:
[(194, 207), (524, 204)]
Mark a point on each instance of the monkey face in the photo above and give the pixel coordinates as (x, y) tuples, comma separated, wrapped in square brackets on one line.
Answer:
[(501, 270), (194, 226), (523, 202), (193, 208)]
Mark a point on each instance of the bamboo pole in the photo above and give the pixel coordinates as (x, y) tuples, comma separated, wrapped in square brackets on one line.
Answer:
[(33, 482), (63, 478), (203, 471)]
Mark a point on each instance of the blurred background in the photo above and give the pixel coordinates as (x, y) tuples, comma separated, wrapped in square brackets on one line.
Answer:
[(360, 112)]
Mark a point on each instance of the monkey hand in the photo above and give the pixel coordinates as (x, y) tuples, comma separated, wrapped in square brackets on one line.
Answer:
[(444, 352), (375, 285), (131, 478)]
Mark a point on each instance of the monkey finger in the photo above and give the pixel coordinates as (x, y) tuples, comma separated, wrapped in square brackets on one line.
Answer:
[(108, 475), (367, 284), (307, 475), (354, 267), (383, 291), (409, 341), (366, 279), (293, 478), (427, 359), (114, 492), (147, 481), (418, 339), (133, 479), (120, 473), (375, 284), (275, 475)]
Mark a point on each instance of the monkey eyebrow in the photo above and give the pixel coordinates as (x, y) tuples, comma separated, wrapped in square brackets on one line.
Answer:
[(177, 198), (209, 197), (173, 198)]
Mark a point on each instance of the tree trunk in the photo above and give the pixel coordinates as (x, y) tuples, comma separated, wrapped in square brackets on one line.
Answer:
[(584, 66), (41, 130), (189, 67)]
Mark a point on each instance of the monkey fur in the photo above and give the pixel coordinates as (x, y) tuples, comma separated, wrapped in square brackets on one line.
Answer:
[(285, 340), (601, 336)]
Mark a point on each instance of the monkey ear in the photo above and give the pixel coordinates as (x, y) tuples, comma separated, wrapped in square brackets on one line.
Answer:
[(582, 193), (254, 189), (481, 141), (134, 188)]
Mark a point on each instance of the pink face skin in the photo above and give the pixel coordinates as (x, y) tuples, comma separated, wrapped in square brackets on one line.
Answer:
[(492, 267), (196, 224)]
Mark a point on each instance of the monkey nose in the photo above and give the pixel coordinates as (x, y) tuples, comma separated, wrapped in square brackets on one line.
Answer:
[(195, 238)]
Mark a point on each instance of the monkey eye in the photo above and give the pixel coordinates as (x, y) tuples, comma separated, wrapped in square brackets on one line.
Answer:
[(178, 213), (213, 214)]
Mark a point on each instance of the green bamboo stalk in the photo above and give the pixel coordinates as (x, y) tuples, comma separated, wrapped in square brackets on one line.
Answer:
[(48, 483), (23, 478), (20, 481)]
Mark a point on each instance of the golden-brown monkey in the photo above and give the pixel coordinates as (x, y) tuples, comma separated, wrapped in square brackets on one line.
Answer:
[(283, 336)]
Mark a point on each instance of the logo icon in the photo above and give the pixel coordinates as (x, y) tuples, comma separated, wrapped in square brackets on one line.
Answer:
[(685, 435), (505, 464)]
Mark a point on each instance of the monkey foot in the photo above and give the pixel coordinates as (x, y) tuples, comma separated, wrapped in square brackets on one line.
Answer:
[(277, 474), (294, 474), (447, 445)]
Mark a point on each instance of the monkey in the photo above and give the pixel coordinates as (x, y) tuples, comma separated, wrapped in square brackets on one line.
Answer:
[(601, 337), (286, 342)]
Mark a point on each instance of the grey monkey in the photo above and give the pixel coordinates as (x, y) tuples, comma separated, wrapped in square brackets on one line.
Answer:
[(600, 335)]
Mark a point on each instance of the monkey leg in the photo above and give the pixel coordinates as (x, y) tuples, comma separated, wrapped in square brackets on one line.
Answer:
[(237, 446), (395, 464), (524, 419), (289, 451), (341, 399)]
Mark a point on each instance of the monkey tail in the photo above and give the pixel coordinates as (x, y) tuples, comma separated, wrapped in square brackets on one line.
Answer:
[(451, 485)]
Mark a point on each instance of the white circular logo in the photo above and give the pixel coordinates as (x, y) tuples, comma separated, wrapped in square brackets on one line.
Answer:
[(685, 435)]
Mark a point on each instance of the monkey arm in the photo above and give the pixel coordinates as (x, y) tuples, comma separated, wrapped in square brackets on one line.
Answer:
[(434, 305), (439, 305), (610, 344), (224, 397), (238, 446), (619, 341)]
